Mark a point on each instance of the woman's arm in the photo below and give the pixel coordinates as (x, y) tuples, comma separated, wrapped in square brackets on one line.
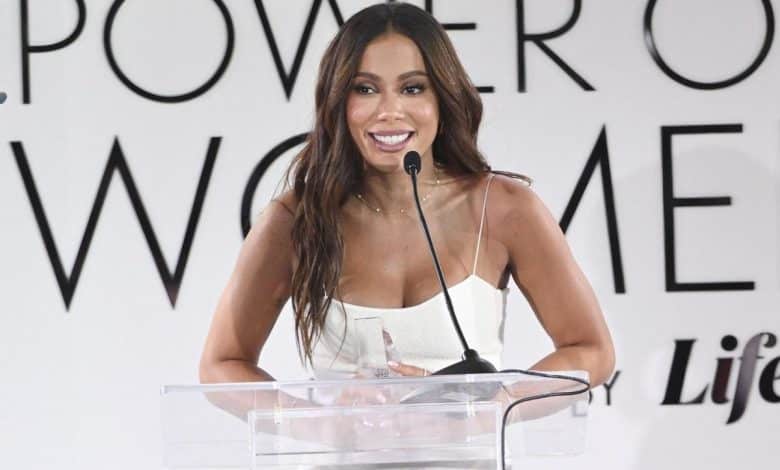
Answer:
[(251, 301), (545, 271)]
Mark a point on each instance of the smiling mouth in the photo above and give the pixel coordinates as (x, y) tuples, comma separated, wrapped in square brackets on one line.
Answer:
[(391, 142)]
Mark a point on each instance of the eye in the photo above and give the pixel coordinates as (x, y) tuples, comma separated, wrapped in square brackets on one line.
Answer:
[(414, 89), (363, 89)]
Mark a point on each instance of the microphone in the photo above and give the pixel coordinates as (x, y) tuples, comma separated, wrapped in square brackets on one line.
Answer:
[(412, 164), (471, 363)]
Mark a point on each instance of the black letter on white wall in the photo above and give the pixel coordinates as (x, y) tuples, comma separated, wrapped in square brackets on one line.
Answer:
[(168, 98), (650, 42), (259, 172), (670, 202), (288, 80), (28, 49), (600, 155), (116, 162), (538, 39)]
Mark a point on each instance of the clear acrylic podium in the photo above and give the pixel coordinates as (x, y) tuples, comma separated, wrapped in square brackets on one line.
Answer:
[(428, 422)]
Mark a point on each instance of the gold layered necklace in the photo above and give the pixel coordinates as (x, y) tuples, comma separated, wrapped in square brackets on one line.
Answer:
[(403, 210)]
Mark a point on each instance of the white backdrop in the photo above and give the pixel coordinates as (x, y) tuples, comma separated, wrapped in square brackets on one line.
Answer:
[(79, 376)]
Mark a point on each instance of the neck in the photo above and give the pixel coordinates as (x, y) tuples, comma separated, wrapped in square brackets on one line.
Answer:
[(392, 191)]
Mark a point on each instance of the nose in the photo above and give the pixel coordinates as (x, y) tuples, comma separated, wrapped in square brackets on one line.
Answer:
[(390, 107)]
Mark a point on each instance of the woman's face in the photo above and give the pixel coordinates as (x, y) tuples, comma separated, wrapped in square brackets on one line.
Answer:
[(392, 108)]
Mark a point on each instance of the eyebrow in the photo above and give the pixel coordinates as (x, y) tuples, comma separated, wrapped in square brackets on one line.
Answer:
[(403, 76)]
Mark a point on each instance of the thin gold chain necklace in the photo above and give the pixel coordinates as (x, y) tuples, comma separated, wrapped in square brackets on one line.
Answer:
[(403, 210)]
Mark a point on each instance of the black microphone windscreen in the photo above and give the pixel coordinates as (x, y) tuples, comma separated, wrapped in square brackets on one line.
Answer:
[(412, 162)]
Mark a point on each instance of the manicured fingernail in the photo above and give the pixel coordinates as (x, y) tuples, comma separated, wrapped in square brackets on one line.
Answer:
[(392, 364)]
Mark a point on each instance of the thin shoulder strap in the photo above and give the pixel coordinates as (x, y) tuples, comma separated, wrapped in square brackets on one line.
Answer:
[(481, 223)]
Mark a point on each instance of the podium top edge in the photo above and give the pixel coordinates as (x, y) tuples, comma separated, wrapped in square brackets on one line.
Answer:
[(505, 377)]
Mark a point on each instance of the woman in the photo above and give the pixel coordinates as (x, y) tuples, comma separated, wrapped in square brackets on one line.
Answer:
[(345, 241)]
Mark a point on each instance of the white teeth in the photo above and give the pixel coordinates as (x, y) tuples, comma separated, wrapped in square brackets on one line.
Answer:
[(392, 139)]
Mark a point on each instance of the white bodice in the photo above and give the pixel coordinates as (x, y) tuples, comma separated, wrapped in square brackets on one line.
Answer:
[(422, 334)]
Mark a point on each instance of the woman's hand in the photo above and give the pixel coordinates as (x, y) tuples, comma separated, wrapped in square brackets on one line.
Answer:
[(407, 369)]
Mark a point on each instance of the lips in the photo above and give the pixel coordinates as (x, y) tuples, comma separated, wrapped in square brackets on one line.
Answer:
[(391, 141)]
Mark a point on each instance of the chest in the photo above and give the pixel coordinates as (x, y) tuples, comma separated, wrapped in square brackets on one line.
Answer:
[(391, 265)]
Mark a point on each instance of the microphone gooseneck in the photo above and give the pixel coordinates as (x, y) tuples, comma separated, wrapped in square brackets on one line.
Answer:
[(471, 363)]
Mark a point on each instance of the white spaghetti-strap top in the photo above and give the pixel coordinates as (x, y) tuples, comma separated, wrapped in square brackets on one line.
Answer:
[(422, 334)]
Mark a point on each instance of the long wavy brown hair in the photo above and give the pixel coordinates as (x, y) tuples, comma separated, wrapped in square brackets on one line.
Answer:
[(330, 167)]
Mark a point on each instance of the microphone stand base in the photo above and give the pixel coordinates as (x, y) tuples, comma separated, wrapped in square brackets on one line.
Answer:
[(472, 364)]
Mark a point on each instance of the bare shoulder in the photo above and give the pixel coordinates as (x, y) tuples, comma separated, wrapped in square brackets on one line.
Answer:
[(275, 221), (288, 200), (524, 224), (513, 199), (267, 255)]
